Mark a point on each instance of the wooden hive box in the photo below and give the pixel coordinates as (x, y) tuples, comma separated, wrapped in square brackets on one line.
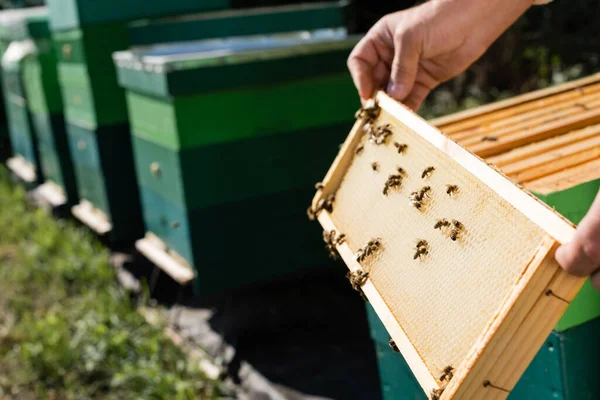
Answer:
[(556, 159), (240, 22), (15, 25), (456, 260), (44, 104), (72, 14), (221, 132), (97, 128)]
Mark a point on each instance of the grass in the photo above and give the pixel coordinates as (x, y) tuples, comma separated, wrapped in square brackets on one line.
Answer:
[(67, 331)]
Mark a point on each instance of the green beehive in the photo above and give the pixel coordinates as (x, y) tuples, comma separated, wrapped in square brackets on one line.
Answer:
[(44, 103), (221, 133), (72, 14), (97, 128), (243, 22), (21, 38)]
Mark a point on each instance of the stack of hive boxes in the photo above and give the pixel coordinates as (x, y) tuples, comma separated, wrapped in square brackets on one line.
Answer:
[(229, 136), (4, 41), (26, 48), (547, 141), (85, 35)]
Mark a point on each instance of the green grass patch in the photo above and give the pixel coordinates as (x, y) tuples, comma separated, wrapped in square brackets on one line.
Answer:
[(67, 330)]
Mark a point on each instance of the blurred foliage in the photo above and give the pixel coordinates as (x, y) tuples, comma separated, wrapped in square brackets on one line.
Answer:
[(67, 331), (549, 45)]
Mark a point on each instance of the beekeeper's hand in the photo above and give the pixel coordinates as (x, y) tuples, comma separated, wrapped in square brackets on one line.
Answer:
[(581, 257), (410, 52)]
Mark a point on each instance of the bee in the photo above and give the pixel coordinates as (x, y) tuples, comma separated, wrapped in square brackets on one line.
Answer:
[(401, 171), (359, 149), (380, 134), (374, 244), (458, 228), (416, 204), (357, 279), (436, 394), (446, 374), (393, 181), (375, 166), (416, 198), (421, 248), (319, 186), (422, 251), (401, 147), (427, 172), (392, 344), (441, 223), (323, 204), (369, 112), (451, 190), (331, 240), (371, 247), (489, 139), (328, 203)]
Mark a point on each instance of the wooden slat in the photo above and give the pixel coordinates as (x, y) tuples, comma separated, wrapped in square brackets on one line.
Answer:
[(554, 160), (566, 178), (468, 116), (22, 169), (508, 142), (153, 249), (92, 217), (52, 194), (538, 123), (542, 114), (534, 149)]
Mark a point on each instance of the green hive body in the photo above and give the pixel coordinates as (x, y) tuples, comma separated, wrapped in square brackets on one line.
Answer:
[(70, 14), (43, 142), (226, 170), (95, 109), (240, 23), (90, 91), (22, 35), (105, 176)]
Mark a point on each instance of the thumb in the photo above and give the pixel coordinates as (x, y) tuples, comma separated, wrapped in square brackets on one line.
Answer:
[(404, 67)]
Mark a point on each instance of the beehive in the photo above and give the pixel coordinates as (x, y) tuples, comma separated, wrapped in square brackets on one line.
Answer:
[(456, 260), (224, 136), (16, 27), (556, 157), (73, 14), (96, 121), (44, 104), (242, 22)]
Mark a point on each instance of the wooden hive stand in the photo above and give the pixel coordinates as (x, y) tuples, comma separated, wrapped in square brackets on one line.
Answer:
[(456, 259)]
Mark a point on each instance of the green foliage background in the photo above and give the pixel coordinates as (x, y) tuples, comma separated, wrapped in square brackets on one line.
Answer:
[(67, 331)]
